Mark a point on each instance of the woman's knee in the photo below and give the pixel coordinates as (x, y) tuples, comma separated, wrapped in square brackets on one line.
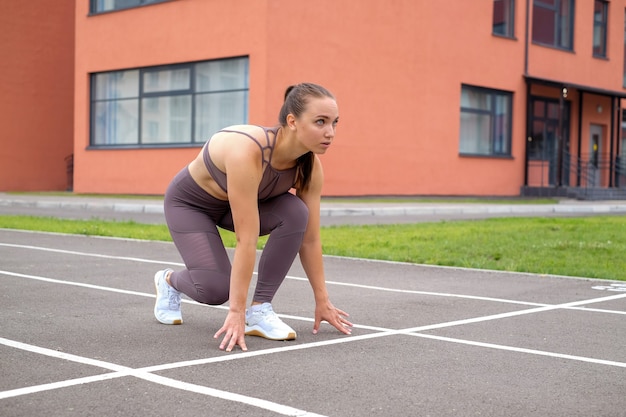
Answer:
[(293, 212), (209, 288), (211, 297)]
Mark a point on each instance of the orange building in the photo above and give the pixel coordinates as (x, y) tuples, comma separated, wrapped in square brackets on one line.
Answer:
[(36, 94), (481, 97)]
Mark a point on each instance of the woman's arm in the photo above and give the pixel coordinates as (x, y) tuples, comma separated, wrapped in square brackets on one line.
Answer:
[(242, 164), (311, 256)]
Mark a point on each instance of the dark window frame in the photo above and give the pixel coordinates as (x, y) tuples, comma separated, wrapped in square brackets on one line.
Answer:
[(506, 28), (96, 6), (494, 142), (142, 95), (560, 40), (600, 27)]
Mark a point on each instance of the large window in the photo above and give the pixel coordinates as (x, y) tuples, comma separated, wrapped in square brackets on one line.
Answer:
[(99, 6), (553, 23), (171, 105), (503, 17), (600, 13), (485, 122)]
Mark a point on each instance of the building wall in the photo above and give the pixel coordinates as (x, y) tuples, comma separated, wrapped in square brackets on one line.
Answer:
[(396, 69), (397, 72), (159, 34), (36, 94), (579, 66)]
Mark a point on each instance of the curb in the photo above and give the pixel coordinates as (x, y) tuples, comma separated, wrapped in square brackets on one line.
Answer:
[(345, 209)]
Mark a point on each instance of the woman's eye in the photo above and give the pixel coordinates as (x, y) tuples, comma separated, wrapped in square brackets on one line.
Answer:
[(320, 122)]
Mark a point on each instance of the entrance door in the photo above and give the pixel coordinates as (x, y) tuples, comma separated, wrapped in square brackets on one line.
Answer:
[(543, 146), (595, 159)]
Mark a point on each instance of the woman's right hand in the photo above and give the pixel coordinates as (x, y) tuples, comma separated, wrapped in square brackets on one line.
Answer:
[(234, 331)]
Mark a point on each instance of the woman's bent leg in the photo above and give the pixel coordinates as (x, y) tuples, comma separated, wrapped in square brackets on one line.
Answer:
[(284, 218), (206, 278)]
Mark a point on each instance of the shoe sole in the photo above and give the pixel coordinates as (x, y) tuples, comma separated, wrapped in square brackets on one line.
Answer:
[(156, 287), (256, 332)]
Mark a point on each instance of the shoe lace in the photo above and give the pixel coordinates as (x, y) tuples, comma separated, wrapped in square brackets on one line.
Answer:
[(174, 300), (269, 315)]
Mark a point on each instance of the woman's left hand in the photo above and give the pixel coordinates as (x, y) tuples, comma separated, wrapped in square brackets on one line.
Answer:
[(334, 316)]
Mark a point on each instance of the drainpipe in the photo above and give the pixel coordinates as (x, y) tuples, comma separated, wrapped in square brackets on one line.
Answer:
[(528, 91), (580, 135), (619, 162), (611, 140), (528, 130), (559, 141), (526, 37)]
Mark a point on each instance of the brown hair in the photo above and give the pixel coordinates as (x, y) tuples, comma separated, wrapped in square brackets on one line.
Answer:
[(296, 100)]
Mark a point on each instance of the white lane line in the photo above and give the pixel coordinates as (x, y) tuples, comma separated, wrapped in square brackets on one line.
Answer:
[(521, 350), (385, 332), (250, 354), (75, 284), (95, 255), (469, 297), (121, 371), (412, 331), (63, 355), (329, 282), (436, 294), (33, 389), (543, 307), (229, 396), (515, 313), (146, 372)]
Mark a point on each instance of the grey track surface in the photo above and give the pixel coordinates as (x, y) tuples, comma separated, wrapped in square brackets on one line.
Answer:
[(78, 337)]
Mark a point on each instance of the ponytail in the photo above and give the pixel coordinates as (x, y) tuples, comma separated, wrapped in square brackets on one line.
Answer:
[(296, 100)]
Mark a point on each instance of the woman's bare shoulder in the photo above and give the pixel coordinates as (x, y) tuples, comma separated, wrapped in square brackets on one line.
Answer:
[(235, 142), (241, 130)]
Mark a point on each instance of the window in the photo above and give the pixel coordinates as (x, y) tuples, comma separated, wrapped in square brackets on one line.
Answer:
[(99, 6), (485, 122), (503, 17), (173, 105), (553, 22), (600, 12)]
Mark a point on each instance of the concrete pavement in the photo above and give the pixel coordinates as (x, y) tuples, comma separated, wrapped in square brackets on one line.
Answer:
[(333, 210)]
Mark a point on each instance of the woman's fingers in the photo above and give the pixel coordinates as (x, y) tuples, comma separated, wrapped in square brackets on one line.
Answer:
[(231, 339), (343, 325)]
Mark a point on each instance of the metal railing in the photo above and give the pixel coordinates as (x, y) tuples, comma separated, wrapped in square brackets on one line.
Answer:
[(580, 171)]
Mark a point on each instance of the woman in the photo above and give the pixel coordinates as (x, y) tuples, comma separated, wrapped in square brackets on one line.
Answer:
[(240, 181)]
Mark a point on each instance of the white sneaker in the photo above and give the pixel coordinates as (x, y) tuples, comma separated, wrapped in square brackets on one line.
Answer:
[(265, 323), (167, 305)]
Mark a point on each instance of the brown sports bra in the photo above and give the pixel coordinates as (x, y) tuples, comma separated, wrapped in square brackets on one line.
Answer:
[(273, 183)]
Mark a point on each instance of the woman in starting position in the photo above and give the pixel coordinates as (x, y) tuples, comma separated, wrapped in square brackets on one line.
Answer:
[(240, 181)]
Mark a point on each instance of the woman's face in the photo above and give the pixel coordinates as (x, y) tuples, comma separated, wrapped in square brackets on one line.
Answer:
[(316, 126)]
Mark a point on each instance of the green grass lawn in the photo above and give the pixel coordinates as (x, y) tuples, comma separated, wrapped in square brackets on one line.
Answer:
[(592, 247)]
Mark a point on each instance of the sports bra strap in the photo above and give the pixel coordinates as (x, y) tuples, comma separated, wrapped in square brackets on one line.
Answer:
[(266, 150)]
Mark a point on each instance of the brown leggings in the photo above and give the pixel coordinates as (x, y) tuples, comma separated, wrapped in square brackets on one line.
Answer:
[(193, 216)]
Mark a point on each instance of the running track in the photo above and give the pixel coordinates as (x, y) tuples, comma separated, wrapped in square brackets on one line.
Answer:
[(78, 338)]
